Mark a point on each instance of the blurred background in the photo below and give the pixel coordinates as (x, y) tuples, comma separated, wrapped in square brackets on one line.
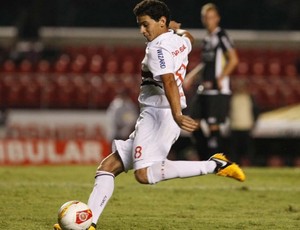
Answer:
[(259, 15), (65, 63)]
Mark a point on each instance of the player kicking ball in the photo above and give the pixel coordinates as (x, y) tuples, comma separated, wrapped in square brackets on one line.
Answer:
[(158, 126)]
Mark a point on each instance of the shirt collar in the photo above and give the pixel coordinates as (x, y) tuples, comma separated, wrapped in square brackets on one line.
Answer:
[(215, 31), (161, 37)]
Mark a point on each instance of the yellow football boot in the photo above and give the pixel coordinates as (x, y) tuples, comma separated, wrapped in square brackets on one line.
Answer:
[(227, 168), (93, 227), (57, 227)]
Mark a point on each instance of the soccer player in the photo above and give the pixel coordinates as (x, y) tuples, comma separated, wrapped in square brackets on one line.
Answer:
[(211, 104), (158, 126)]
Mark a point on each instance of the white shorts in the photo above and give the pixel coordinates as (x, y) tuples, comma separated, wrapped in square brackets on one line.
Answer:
[(155, 133)]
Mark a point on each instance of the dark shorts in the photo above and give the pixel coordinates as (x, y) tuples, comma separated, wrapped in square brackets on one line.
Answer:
[(213, 108)]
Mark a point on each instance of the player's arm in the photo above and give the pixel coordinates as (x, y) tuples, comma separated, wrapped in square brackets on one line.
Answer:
[(193, 76), (172, 94), (233, 61), (184, 33)]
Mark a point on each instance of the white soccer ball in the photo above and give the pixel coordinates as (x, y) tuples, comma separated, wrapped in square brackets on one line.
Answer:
[(74, 215)]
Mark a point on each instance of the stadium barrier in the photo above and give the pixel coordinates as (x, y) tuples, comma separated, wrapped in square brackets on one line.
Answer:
[(271, 46), (54, 137), (49, 151)]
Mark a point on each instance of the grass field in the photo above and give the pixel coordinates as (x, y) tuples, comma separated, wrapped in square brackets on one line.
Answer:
[(269, 199)]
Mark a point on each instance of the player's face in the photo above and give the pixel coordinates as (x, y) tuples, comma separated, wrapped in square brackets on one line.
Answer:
[(151, 28), (211, 20)]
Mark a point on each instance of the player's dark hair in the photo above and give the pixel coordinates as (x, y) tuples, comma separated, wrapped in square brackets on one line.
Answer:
[(154, 9)]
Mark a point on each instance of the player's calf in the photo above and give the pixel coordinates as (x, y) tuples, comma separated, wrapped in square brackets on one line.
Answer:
[(141, 175)]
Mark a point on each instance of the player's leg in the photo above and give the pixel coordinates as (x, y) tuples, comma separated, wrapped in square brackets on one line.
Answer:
[(152, 143), (108, 169), (103, 189), (200, 143), (117, 162), (214, 141), (197, 111), (155, 134), (166, 170), (217, 110), (220, 110), (207, 108)]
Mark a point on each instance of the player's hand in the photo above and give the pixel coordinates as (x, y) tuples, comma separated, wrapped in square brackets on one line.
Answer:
[(186, 123), (187, 84), (219, 82), (174, 25)]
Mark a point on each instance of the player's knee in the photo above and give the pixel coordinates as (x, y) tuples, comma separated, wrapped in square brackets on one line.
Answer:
[(141, 176), (111, 164)]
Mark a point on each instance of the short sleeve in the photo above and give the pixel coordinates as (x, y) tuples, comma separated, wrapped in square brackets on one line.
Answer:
[(188, 43), (225, 41)]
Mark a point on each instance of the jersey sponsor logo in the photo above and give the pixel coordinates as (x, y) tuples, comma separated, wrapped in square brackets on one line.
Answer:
[(179, 50), (161, 59)]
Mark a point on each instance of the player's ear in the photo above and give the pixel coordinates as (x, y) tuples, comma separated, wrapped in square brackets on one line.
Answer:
[(162, 21)]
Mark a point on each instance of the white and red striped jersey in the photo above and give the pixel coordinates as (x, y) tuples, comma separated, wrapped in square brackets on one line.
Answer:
[(168, 53)]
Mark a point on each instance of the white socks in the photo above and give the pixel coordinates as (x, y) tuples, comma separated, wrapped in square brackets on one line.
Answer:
[(103, 190), (104, 181), (178, 169)]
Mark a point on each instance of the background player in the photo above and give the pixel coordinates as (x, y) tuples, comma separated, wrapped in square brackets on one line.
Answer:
[(158, 126), (211, 104)]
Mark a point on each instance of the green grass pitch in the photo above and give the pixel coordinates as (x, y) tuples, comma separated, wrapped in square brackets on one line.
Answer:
[(268, 199)]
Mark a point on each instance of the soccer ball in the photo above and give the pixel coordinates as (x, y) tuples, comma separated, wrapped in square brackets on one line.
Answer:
[(74, 215)]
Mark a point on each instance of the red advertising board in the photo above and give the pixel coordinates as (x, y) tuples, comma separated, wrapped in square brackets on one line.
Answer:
[(47, 151)]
